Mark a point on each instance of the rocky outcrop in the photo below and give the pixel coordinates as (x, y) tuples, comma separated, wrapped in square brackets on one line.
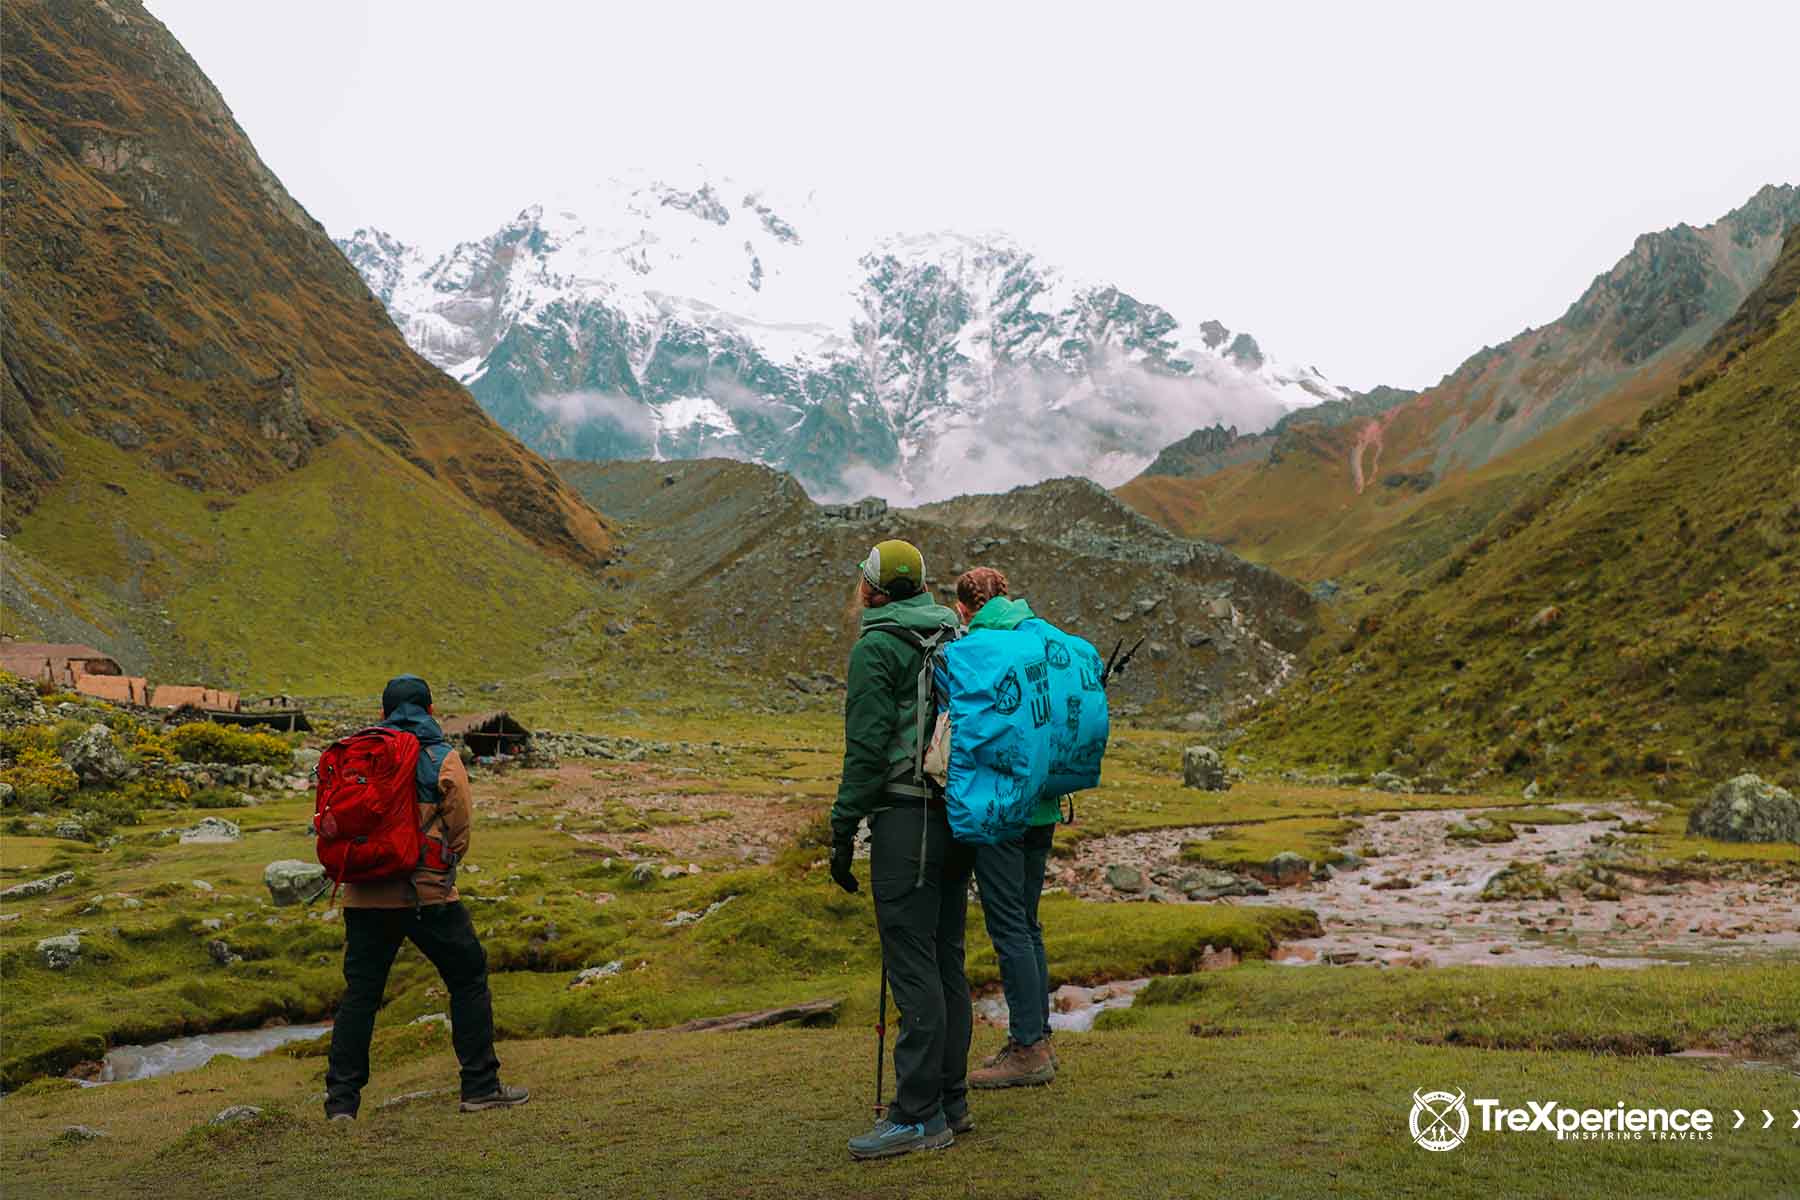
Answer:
[(1745, 809), (1201, 767), (38, 887), (210, 830), (291, 881), (95, 758), (61, 952)]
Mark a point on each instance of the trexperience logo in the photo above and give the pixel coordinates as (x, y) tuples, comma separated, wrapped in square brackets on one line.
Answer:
[(1440, 1121)]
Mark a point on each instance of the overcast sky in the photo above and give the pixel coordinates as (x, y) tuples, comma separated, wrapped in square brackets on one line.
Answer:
[(1375, 189)]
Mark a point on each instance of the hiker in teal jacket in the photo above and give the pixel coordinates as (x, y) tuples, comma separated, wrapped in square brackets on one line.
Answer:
[(1011, 878), (919, 874)]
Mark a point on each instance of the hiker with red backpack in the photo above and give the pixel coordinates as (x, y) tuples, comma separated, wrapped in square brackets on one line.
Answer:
[(392, 818), (918, 873)]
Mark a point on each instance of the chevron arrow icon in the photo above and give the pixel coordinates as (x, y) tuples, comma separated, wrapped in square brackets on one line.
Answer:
[(1797, 1118), (1768, 1118), (1740, 1119)]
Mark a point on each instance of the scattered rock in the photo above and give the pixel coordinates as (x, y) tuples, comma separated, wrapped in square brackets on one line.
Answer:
[(1286, 869), (38, 887), (61, 951), (1394, 883), (305, 759), (80, 1133), (595, 974), (202, 885), (210, 830), (1520, 881), (644, 872), (1121, 877), (1201, 767), (95, 758), (1207, 884), (222, 953), (1531, 790), (70, 830), (1218, 960), (685, 917), (436, 1018), (1388, 781), (237, 1112), (291, 881), (1745, 809)]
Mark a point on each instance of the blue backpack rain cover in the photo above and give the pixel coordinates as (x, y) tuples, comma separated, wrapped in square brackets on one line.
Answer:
[(1028, 720)]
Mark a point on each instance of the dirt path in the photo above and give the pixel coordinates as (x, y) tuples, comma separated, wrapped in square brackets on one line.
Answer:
[(1440, 920)]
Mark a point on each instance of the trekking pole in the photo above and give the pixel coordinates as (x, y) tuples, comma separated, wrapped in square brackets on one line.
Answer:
[(881, 1043)]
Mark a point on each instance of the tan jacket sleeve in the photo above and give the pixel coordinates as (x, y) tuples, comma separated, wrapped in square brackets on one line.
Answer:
[(458, 806)]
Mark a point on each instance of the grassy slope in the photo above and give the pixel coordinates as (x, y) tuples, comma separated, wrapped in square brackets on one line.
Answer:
[(1506, 420), (1672, 559), (333, 577), (1147, 1110)]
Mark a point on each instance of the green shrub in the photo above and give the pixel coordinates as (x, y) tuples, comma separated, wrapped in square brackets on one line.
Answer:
[(204, 742), (39, 777)]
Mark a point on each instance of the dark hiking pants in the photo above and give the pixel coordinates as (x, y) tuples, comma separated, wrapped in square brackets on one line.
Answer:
[(921, 929), (445, 935), (1011, 878)]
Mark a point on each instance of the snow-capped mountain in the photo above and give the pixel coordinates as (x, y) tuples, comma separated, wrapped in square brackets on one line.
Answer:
[(651, 321)]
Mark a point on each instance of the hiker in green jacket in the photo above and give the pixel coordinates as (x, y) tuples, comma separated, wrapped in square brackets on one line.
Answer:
[(1011, 878), (919, 874)]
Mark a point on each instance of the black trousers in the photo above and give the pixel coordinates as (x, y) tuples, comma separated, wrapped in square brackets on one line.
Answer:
[(445, 935), (921, 926)]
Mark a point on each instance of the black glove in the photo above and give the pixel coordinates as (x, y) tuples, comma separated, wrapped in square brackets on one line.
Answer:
[(842, 853)]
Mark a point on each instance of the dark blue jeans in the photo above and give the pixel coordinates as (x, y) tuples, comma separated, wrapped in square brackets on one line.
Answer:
[(1011, 878), (446, 936)]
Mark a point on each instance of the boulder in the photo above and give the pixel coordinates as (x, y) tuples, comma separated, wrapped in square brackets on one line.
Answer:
[(80, 1133), (1286, 869), (1745, 809), (1205, 883), (305, 760), (209, 830), (95, 758), (61, 951), (7, 795), (1388, 781), (1123, 878), (70, 830), (291, 881), (38, 887), (221, 952), (1201, 767)]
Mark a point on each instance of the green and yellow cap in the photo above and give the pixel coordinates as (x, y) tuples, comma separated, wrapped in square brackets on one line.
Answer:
[(895, 568)]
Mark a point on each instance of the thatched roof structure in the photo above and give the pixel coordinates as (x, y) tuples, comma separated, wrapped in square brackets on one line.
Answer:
[(490, 733)]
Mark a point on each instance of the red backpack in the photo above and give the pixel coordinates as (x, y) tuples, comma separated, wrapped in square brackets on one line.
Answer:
[(365, 810)]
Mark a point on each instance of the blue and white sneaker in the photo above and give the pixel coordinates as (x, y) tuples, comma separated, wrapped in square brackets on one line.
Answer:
[(888, 1139)]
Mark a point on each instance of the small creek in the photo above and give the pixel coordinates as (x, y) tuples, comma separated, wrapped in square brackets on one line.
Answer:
[(1440, 920), (187, 1053)]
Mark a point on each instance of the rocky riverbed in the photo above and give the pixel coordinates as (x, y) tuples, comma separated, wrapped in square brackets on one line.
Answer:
[(1421, 897)]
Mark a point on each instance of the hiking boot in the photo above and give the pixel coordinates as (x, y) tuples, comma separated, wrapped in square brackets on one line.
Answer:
[(341, 1116), (963, 1122), (1051, 1043), (998, 1056), (502, 1097), (1023, 1066), (888, 1139)]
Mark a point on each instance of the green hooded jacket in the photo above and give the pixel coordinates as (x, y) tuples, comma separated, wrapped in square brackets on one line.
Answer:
[(1003, 612), (881, 707)]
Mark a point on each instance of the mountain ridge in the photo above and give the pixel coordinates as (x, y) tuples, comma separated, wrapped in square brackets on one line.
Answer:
[(663, 322)]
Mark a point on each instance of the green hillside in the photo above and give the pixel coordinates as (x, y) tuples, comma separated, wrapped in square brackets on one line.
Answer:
[(219, 457), (1631, 621)]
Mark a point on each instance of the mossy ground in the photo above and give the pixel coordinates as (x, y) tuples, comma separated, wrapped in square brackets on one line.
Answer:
[(1298, 1102), (1306, 1072)]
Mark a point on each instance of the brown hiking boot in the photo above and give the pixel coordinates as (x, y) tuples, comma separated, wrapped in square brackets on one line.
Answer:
[(1020, 1066), (998, 1056)]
